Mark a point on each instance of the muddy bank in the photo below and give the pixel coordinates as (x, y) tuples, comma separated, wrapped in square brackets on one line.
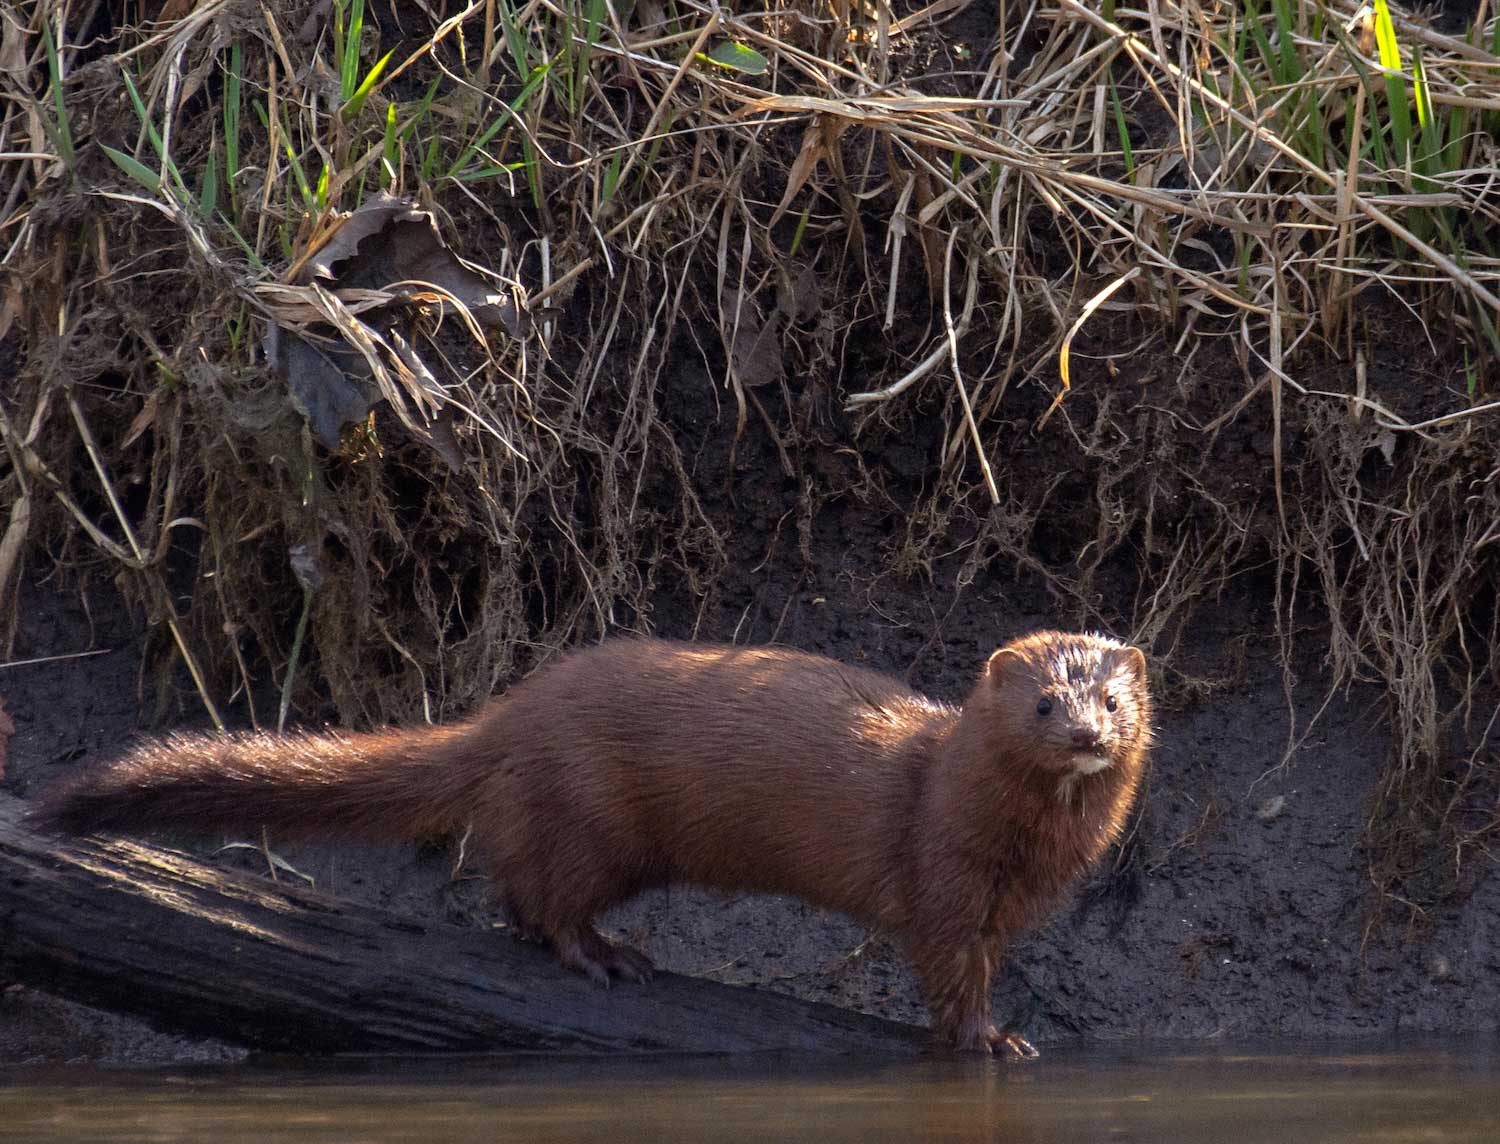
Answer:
[(1240, 904), (1274, 431)]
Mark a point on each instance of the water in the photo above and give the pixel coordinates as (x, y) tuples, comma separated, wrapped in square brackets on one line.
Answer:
[(1286, 1093)]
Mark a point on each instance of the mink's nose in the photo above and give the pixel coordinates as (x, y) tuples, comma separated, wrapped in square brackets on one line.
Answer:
[(1085, 738)]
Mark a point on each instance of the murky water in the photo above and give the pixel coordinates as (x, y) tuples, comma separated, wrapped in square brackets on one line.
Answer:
[(1284, 1093)]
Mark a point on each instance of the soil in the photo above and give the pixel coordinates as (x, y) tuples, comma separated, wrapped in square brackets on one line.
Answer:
[(1240, 904)]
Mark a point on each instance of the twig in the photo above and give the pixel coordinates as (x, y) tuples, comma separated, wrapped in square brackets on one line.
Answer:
[(140, 560), (55, 658)]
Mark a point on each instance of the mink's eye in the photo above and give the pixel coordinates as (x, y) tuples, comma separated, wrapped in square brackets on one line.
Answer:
[(1043, 705), (1111, 703)]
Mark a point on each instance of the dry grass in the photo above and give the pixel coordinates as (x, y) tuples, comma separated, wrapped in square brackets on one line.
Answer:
[(1240, 195)]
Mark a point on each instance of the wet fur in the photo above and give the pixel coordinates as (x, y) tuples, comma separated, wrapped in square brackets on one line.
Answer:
[(640, 761)]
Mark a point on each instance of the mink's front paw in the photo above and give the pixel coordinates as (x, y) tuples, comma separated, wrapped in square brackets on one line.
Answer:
[(1016, 1044), (979, 1035)]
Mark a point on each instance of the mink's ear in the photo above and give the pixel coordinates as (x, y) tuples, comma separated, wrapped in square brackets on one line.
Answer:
[(1131, 659), (1002, 662)]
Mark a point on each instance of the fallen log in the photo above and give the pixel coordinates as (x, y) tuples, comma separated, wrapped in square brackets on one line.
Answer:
[(269, 965)]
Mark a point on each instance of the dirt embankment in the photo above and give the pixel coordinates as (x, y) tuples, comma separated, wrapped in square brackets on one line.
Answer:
[(791, 369), (1240, 904)]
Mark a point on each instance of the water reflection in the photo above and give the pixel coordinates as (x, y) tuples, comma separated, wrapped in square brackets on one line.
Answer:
[(1344, 1094)]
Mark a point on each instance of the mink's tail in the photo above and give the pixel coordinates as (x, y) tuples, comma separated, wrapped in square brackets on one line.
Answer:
[(384, 785)]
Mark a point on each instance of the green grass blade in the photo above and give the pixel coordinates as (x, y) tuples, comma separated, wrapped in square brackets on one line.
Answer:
[(390, 153), (652, 152), (141, 114), (611, 178), (64, 132), (340, 38), (430, 158), (423, 107), (232, 117), (208, 195), (154, 135), (309, 200), (493, 171), (1374, 148), (356, 101), (1257, 36), (1395, 84), (1458, 128), (1288, 67), (1385, 37), (537, 77), (592, 23), (349, 58), (515, 38), (1242, 265), (533, 175), (797, 235), (133, 167), (1123, 130), (1424, 93)]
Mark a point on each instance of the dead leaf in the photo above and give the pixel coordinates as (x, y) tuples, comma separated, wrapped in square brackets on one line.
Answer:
[(10, 306), (351, 357), (754, 345), (144, 419), (330, 383), (317, 19), (799, 296), (410, 251), (14, 540), (1386, 443), (821, 135)]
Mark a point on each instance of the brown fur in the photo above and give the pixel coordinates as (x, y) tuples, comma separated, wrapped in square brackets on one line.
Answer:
[(750, 769)]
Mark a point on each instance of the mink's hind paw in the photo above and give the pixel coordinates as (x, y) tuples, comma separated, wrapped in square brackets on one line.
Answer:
[(589, 953), (630, 964)]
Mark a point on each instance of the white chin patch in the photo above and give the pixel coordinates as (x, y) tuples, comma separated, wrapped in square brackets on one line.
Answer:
[(1088, 764)]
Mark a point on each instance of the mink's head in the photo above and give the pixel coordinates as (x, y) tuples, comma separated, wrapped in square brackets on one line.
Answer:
[(1070, 705)]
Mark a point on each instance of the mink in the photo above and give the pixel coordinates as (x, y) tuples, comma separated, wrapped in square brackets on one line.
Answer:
[(639, 762)]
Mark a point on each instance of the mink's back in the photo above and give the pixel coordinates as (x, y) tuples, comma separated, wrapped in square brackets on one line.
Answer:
[(750, 768)]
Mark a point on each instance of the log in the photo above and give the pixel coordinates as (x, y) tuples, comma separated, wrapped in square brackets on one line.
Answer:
[(268, 965)]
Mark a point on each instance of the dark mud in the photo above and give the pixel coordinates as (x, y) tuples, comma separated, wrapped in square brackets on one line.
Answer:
[(1240, 904)]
